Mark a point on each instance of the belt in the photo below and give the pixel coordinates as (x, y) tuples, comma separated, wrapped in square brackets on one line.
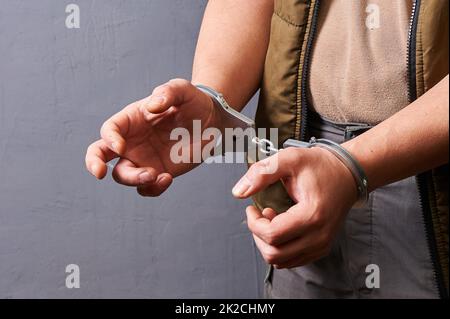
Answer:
[(346, 130)]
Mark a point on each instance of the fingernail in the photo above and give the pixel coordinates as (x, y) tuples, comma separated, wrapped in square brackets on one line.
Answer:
[(145, 178), (114, 146), (157, 99), (241, 187)]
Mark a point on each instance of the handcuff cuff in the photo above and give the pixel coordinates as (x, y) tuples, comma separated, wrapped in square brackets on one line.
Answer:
[(267, 147)]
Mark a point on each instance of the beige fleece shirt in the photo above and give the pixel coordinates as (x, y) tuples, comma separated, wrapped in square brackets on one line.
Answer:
[(358, 66)]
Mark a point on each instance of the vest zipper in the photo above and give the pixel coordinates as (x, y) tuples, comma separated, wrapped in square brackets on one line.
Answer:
[(305, 72), (421, 179), (411, 51)]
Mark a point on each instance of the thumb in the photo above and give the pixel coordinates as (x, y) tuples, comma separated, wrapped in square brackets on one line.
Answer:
[(173, 93), (261, 175)]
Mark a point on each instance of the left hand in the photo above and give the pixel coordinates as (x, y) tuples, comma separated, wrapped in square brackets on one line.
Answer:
[(324, 191), (140, 135)]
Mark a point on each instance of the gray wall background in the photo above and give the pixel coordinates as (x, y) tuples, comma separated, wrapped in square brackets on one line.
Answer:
[(57, 86)]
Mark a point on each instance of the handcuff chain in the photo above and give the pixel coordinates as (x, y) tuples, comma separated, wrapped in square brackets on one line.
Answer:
[(265, 146)]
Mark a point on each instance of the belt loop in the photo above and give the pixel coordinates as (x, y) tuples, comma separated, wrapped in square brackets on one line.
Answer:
[(348, 134), (351, 132)]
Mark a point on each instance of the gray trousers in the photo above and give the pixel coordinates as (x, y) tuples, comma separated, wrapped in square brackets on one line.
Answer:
[(380, 251)]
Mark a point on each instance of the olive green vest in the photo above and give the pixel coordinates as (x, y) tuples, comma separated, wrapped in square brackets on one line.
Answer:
[(284, 104)]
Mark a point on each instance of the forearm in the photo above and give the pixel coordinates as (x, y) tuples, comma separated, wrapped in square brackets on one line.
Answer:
[(410, 142), (232, 47)]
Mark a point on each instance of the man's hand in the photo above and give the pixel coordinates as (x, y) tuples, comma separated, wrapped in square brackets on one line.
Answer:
[(140, 136), (324, 191)]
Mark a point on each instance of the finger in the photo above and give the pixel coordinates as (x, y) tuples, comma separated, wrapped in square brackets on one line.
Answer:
[(126, 173), (173, 93), (262, 174), (269, 253), (162, 183), (301, 246), (114, 130), (97, 155), (269, 213), (300, 260), (281, 229), (256, 221)]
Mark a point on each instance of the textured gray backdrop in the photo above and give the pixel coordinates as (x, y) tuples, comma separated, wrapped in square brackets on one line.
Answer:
[(57, 86)]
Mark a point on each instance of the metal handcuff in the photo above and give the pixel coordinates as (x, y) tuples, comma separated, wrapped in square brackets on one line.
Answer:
[(267, 147)]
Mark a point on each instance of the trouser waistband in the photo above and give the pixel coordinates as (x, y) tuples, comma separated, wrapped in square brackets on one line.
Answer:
[(321, 127)]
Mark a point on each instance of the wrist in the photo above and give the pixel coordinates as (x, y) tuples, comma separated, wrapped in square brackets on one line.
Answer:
[(350, 162), (225, 115), (348, 187), (358, 152), (214, 120)]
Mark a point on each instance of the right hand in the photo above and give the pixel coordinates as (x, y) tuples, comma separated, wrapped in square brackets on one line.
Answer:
[(140, 136)]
